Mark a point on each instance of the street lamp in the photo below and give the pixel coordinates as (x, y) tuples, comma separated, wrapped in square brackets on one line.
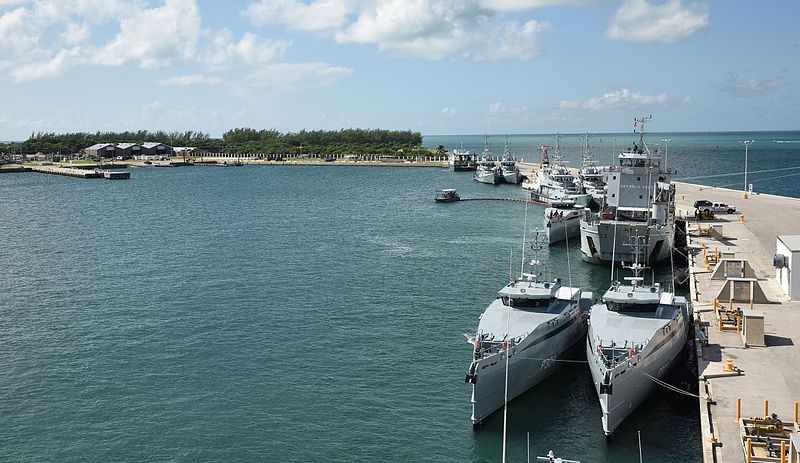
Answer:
[(666, 153), (746, 145)]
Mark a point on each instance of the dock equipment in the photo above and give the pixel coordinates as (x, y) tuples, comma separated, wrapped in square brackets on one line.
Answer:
[(735, 268)]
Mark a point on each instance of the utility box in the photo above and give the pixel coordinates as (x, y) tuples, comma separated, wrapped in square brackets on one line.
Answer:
[(753, 328), (787, 254)]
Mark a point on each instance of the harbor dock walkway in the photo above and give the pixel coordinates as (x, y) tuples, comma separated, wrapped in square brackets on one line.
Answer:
[(763, 373)]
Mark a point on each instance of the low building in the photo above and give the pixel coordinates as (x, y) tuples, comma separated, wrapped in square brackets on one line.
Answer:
[(159, 150), (128, 150), (101, 150)]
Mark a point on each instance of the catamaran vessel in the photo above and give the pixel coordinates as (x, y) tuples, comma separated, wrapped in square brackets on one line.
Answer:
[(639, 201), (635, 337), (533, 322)]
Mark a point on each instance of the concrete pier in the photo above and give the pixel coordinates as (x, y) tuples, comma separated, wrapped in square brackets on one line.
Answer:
[(67, 171), (760, 373)]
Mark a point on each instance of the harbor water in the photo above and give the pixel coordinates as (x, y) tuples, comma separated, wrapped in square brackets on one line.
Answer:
[(278, 314)]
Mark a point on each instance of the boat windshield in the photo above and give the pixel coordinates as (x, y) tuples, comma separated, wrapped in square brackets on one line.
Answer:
[(629, 307)]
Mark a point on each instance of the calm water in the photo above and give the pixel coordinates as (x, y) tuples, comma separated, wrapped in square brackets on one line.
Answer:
[(773, 161), (275, 314)]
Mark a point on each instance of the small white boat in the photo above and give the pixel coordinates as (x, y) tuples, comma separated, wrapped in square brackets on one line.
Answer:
[(563, 220)]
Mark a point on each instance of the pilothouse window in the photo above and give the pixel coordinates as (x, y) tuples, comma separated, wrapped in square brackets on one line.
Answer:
[(529, 303), (618, 307)]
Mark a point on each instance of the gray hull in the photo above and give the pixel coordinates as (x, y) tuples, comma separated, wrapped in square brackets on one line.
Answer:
[(486, 177), (531, 361), (630, 389), (512, 177), (598, 241)]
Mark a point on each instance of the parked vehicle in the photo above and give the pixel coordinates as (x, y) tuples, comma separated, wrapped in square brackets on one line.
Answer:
[(708, 206)]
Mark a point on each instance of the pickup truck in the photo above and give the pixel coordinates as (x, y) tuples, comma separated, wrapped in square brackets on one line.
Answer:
[(708, 206)]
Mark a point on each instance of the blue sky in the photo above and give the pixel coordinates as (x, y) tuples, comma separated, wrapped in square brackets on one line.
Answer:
[(437, 66)]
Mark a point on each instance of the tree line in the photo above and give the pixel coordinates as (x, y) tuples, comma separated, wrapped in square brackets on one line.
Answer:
[(238, 140)]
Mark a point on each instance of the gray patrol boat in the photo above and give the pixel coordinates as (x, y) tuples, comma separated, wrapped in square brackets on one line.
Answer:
[(639, 201), (635, 337), (533, 322)]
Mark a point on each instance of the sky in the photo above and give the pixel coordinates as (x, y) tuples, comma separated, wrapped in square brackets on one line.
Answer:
[(434, 66)]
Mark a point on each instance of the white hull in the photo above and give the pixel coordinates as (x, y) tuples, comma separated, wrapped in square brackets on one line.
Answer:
[(531, 361), (512, 177), (486, 177), (598, 241), (559, 231)]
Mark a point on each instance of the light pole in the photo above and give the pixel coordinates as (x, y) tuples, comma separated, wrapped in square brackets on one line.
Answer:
[(746, 145), (666, 153)]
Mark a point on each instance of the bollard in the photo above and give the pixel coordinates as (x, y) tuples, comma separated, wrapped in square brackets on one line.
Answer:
[(741, 218), (683, 197), (749, 457), (738, 409), (751, 304), (738, 324), (744, 196), (715, 302), (766, 408), (783, 451), (795, 412)]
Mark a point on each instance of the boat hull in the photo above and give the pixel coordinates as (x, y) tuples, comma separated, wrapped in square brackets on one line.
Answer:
[(486, 177), (627, 391), (560, 231), (604, 243), (531, 361), (512, 177)]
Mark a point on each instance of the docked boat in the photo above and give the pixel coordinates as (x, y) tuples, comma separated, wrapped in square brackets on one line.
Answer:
[(487, 170), (508, 166), (553, 181), (636, 335), (639, 201), (462, 160), (446, 195), (591, 178), (533, 322), (563, 220)]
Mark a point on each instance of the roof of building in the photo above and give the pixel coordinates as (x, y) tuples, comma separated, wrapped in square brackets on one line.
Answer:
[(126, 145), (184, 148), (152, 144), (99, 146), (791, 241)]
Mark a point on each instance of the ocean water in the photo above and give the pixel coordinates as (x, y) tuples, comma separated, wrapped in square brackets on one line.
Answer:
[(278, 314), (708, 158)]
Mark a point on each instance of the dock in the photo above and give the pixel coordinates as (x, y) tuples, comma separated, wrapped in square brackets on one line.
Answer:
[(743, 372), (81, 173)]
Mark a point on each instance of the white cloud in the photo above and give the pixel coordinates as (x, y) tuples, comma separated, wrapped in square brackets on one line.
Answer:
[(155, 37), (433, 29), (518, 5), (618, 99), (735, 86), (640, 21), (296, 75), (499, 108), (54, 66), (316, 15), (190, 79), (448, 111), (251, 49), (76, 33)]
